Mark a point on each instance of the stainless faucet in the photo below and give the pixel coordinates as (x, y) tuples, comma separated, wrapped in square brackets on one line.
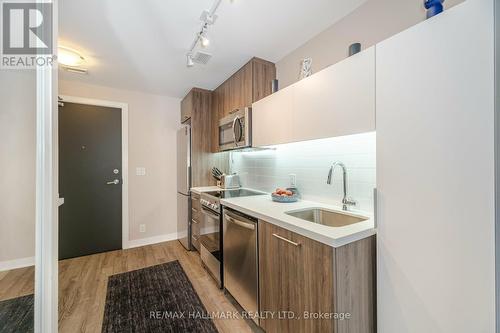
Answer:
[(345, 200)]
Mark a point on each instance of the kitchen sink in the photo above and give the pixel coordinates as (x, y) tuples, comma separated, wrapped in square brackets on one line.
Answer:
[(327, 217)]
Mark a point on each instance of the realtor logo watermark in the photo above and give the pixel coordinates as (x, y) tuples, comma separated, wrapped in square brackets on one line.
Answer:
[(26, 35)]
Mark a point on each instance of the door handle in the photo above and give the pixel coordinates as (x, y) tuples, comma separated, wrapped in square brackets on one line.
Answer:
[(240, 223), (114, 182), (286, 240), (209, 214)]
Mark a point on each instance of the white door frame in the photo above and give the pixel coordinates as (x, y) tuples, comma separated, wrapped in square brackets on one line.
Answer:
[(497, 162), (124, 108)]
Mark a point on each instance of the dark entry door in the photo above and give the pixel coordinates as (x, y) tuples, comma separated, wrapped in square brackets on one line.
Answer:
[(90, 179)]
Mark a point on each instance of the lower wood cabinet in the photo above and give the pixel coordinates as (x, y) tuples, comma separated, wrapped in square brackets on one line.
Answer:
[(306, 286), (196, 217)]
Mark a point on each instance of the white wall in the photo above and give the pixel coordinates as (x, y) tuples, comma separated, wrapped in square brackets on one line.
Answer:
[(310, 161), (153, 122), (17, 165), (369, 24)]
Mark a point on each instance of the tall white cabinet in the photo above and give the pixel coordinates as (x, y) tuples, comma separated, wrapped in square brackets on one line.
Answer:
[(435, 174)]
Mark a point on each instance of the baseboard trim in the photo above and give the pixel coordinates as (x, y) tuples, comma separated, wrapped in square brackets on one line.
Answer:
[(17, 263), (152, 240)]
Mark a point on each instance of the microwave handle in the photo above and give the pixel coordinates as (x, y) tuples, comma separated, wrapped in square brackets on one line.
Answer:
[(234, 131)]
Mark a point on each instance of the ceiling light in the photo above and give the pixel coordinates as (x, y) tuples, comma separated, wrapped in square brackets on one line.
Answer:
[(189, 62), (69, 57), (204, 41), (77, 70)]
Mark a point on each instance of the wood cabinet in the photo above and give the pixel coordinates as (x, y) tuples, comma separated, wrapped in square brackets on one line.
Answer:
[(300, 276), (195, 220), (296, 275), (249, 84), (339, 100), (198, 104), (186, 107)]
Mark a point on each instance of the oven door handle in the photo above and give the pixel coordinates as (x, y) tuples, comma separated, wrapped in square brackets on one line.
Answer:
[(209, 213), (250, 226)]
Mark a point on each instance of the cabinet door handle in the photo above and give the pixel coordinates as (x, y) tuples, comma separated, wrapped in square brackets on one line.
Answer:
[(286, 240)]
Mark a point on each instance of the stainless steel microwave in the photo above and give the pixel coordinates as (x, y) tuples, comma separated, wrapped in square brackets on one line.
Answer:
[(235, 130)]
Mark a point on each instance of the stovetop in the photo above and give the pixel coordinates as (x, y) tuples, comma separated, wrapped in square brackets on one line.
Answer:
[(226, 194), (212, 199)]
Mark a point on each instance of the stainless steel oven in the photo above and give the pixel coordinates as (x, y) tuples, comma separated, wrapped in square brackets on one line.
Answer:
[(235, 130), (210, 243)]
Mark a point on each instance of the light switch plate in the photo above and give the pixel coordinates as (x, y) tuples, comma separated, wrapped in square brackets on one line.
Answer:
[(140, 171), (293, 180), (142, 228)]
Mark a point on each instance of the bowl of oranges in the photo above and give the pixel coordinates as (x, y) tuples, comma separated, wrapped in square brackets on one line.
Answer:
[(285, 195)]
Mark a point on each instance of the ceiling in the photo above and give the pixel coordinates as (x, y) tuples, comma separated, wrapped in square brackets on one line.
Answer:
[(142, 44)]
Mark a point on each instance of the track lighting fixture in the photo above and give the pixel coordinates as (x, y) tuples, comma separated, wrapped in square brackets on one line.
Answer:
[(208, 17)]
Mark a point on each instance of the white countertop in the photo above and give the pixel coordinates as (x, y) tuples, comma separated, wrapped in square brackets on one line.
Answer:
[(262, 207), (199, 190)]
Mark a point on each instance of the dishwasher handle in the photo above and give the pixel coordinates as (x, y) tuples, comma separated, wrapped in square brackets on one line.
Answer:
[(242, 224)]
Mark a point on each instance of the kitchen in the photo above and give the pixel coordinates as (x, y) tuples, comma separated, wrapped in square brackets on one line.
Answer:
[(328, 167), (332, 128)]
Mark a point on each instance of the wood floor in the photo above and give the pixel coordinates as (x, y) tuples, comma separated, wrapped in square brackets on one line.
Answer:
[(83, 281)]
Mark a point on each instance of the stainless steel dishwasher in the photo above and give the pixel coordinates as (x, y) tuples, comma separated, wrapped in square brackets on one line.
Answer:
[(241, 272)]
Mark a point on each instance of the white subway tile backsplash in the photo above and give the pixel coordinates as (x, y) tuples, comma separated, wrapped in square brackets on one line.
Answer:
[(268, 169)]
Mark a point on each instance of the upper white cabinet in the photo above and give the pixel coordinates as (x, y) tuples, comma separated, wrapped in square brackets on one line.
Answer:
[(336, 101), (272, 120)]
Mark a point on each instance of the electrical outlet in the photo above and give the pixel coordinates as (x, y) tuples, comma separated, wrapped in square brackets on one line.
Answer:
[(293, 180), (142, 228), (140, 171)]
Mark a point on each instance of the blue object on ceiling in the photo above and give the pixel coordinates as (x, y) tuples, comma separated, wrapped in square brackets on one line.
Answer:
[(433, 7)]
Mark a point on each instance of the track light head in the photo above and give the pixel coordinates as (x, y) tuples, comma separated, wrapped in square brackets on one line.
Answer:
[(204, 41), (208, 18), (189, 60)]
